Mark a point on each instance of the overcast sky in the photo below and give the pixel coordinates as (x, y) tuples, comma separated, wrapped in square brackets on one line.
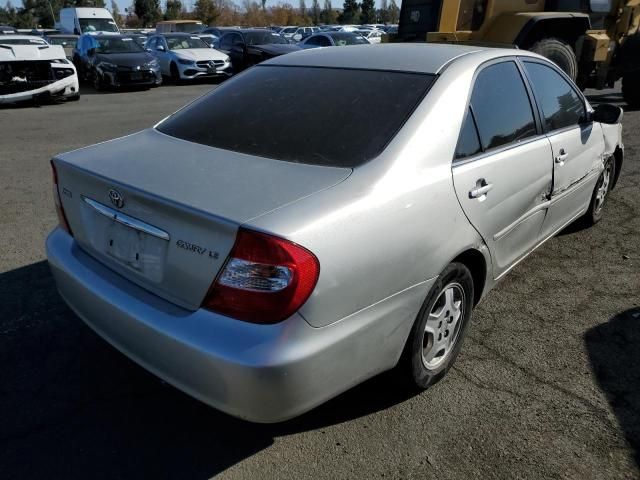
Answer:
[(127, 3)]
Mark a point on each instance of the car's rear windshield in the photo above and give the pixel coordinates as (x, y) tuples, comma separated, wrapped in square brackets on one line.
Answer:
[(321, 116)]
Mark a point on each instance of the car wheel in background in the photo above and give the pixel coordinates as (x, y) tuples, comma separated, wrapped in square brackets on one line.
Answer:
[(600, 193), (175, 74), (558, 52), (436, 337), (97, 82)]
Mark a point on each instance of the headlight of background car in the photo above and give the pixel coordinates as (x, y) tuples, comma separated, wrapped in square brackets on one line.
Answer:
[(108, 66), (184, 61), (153, 64)]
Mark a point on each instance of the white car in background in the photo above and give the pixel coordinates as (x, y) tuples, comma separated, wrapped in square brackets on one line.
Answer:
[(31, 68), (374, 36), (186, 57)]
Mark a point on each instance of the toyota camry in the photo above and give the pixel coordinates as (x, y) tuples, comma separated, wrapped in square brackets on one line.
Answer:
[(265, 263)]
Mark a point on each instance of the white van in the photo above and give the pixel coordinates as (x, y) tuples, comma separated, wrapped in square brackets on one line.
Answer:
[(86, 20)]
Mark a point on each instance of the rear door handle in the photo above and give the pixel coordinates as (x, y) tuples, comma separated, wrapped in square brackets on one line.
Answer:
[(561, 157), (482, 188)]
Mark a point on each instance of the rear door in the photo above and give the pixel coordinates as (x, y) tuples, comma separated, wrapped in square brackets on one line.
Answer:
[(503, 167), (577, 144)]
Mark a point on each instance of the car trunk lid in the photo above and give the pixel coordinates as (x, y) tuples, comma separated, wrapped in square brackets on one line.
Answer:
[(164, 212)]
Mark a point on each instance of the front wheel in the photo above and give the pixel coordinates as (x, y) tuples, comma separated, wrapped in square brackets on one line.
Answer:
[(98, 86), (175, 74), (437, 334), (600, 194), (631, 88)]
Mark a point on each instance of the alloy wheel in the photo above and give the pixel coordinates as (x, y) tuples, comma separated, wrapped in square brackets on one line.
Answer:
[(443, 326)]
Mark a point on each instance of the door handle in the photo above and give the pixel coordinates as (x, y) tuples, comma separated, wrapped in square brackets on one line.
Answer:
[(561, 157), (482, 188)]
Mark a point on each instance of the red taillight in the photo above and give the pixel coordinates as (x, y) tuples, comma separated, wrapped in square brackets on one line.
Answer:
[(62, 218), (266, 279)]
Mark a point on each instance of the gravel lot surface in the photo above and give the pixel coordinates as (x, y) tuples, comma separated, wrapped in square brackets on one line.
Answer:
[(547, 384)]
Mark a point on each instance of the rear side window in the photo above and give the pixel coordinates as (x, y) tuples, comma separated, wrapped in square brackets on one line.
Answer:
[(561, 105), (501, 106), (321, 116), (469, 142)]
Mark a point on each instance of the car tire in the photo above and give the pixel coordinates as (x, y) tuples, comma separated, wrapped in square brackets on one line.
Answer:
[(601, 193), (631, 88), (73, 98), (98, 85), (438, 332), (558, 52), (175, 74)]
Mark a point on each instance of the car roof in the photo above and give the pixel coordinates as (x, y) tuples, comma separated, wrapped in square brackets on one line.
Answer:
[(177, 34), (405, 57)]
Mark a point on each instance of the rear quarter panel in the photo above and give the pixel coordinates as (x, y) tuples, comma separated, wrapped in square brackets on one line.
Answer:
[(394, 223)]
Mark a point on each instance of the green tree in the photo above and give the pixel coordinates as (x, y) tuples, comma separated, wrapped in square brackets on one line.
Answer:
[(206, 11), (173, 10), (350, 12), (368, 11), (115, 13), (315, 12), (394, 12), (8, 14), (383, 13), (303, 12), (328, 15), (148, 11)]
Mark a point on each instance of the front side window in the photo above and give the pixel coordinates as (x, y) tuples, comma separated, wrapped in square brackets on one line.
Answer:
[(561, 106), (501, 106), (472, 14), (320, 116)]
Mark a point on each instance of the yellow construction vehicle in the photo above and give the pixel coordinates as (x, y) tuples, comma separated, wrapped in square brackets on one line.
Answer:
[(596, 42)]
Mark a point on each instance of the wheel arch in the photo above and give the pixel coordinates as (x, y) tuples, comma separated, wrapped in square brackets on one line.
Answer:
[(618, 156), (564, 26), (476, 262)]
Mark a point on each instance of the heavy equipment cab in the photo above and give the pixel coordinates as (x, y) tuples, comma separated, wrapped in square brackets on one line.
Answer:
[(596, 42)]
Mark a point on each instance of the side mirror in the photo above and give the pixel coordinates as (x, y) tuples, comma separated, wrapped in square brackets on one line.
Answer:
[(607, 113), (160, 48)]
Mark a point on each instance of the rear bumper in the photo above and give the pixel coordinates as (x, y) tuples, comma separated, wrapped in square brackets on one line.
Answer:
[(261, 373)]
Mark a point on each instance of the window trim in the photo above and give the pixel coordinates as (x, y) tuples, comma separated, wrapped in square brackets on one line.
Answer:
[(524, 59), (532, 104)]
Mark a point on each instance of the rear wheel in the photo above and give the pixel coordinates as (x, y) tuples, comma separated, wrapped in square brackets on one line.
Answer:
[(437, 334), (558, 52), (631, 88)]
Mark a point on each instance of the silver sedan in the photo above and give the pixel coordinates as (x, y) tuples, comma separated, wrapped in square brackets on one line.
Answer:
[(325, 216)]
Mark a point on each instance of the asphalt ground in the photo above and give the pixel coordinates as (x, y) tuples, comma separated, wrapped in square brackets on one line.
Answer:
[(547, 384)]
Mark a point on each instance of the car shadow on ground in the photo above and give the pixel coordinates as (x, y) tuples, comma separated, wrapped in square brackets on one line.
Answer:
[(614, 353), (74, 407)]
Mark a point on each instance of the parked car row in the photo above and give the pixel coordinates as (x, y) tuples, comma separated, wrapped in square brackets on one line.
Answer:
[(111, 60)]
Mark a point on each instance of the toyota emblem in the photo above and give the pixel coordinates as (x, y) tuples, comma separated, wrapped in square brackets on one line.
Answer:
[(116, 198)]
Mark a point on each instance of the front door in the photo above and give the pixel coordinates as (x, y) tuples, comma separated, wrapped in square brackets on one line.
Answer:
[(503, 167)]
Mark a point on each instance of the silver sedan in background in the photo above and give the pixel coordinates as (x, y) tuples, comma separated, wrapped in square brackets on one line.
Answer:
[(183, 56), (325, 216)]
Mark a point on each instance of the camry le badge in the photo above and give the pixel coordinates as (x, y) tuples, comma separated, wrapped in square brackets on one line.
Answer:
[(116, 198)]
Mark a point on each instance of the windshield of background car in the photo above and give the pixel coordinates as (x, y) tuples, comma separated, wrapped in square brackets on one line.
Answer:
[(343, 39), (188, 27), (22, 41), (97, 25), (180, 43), (117, 45), (263, 38), (320, 116), (62, 40)]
